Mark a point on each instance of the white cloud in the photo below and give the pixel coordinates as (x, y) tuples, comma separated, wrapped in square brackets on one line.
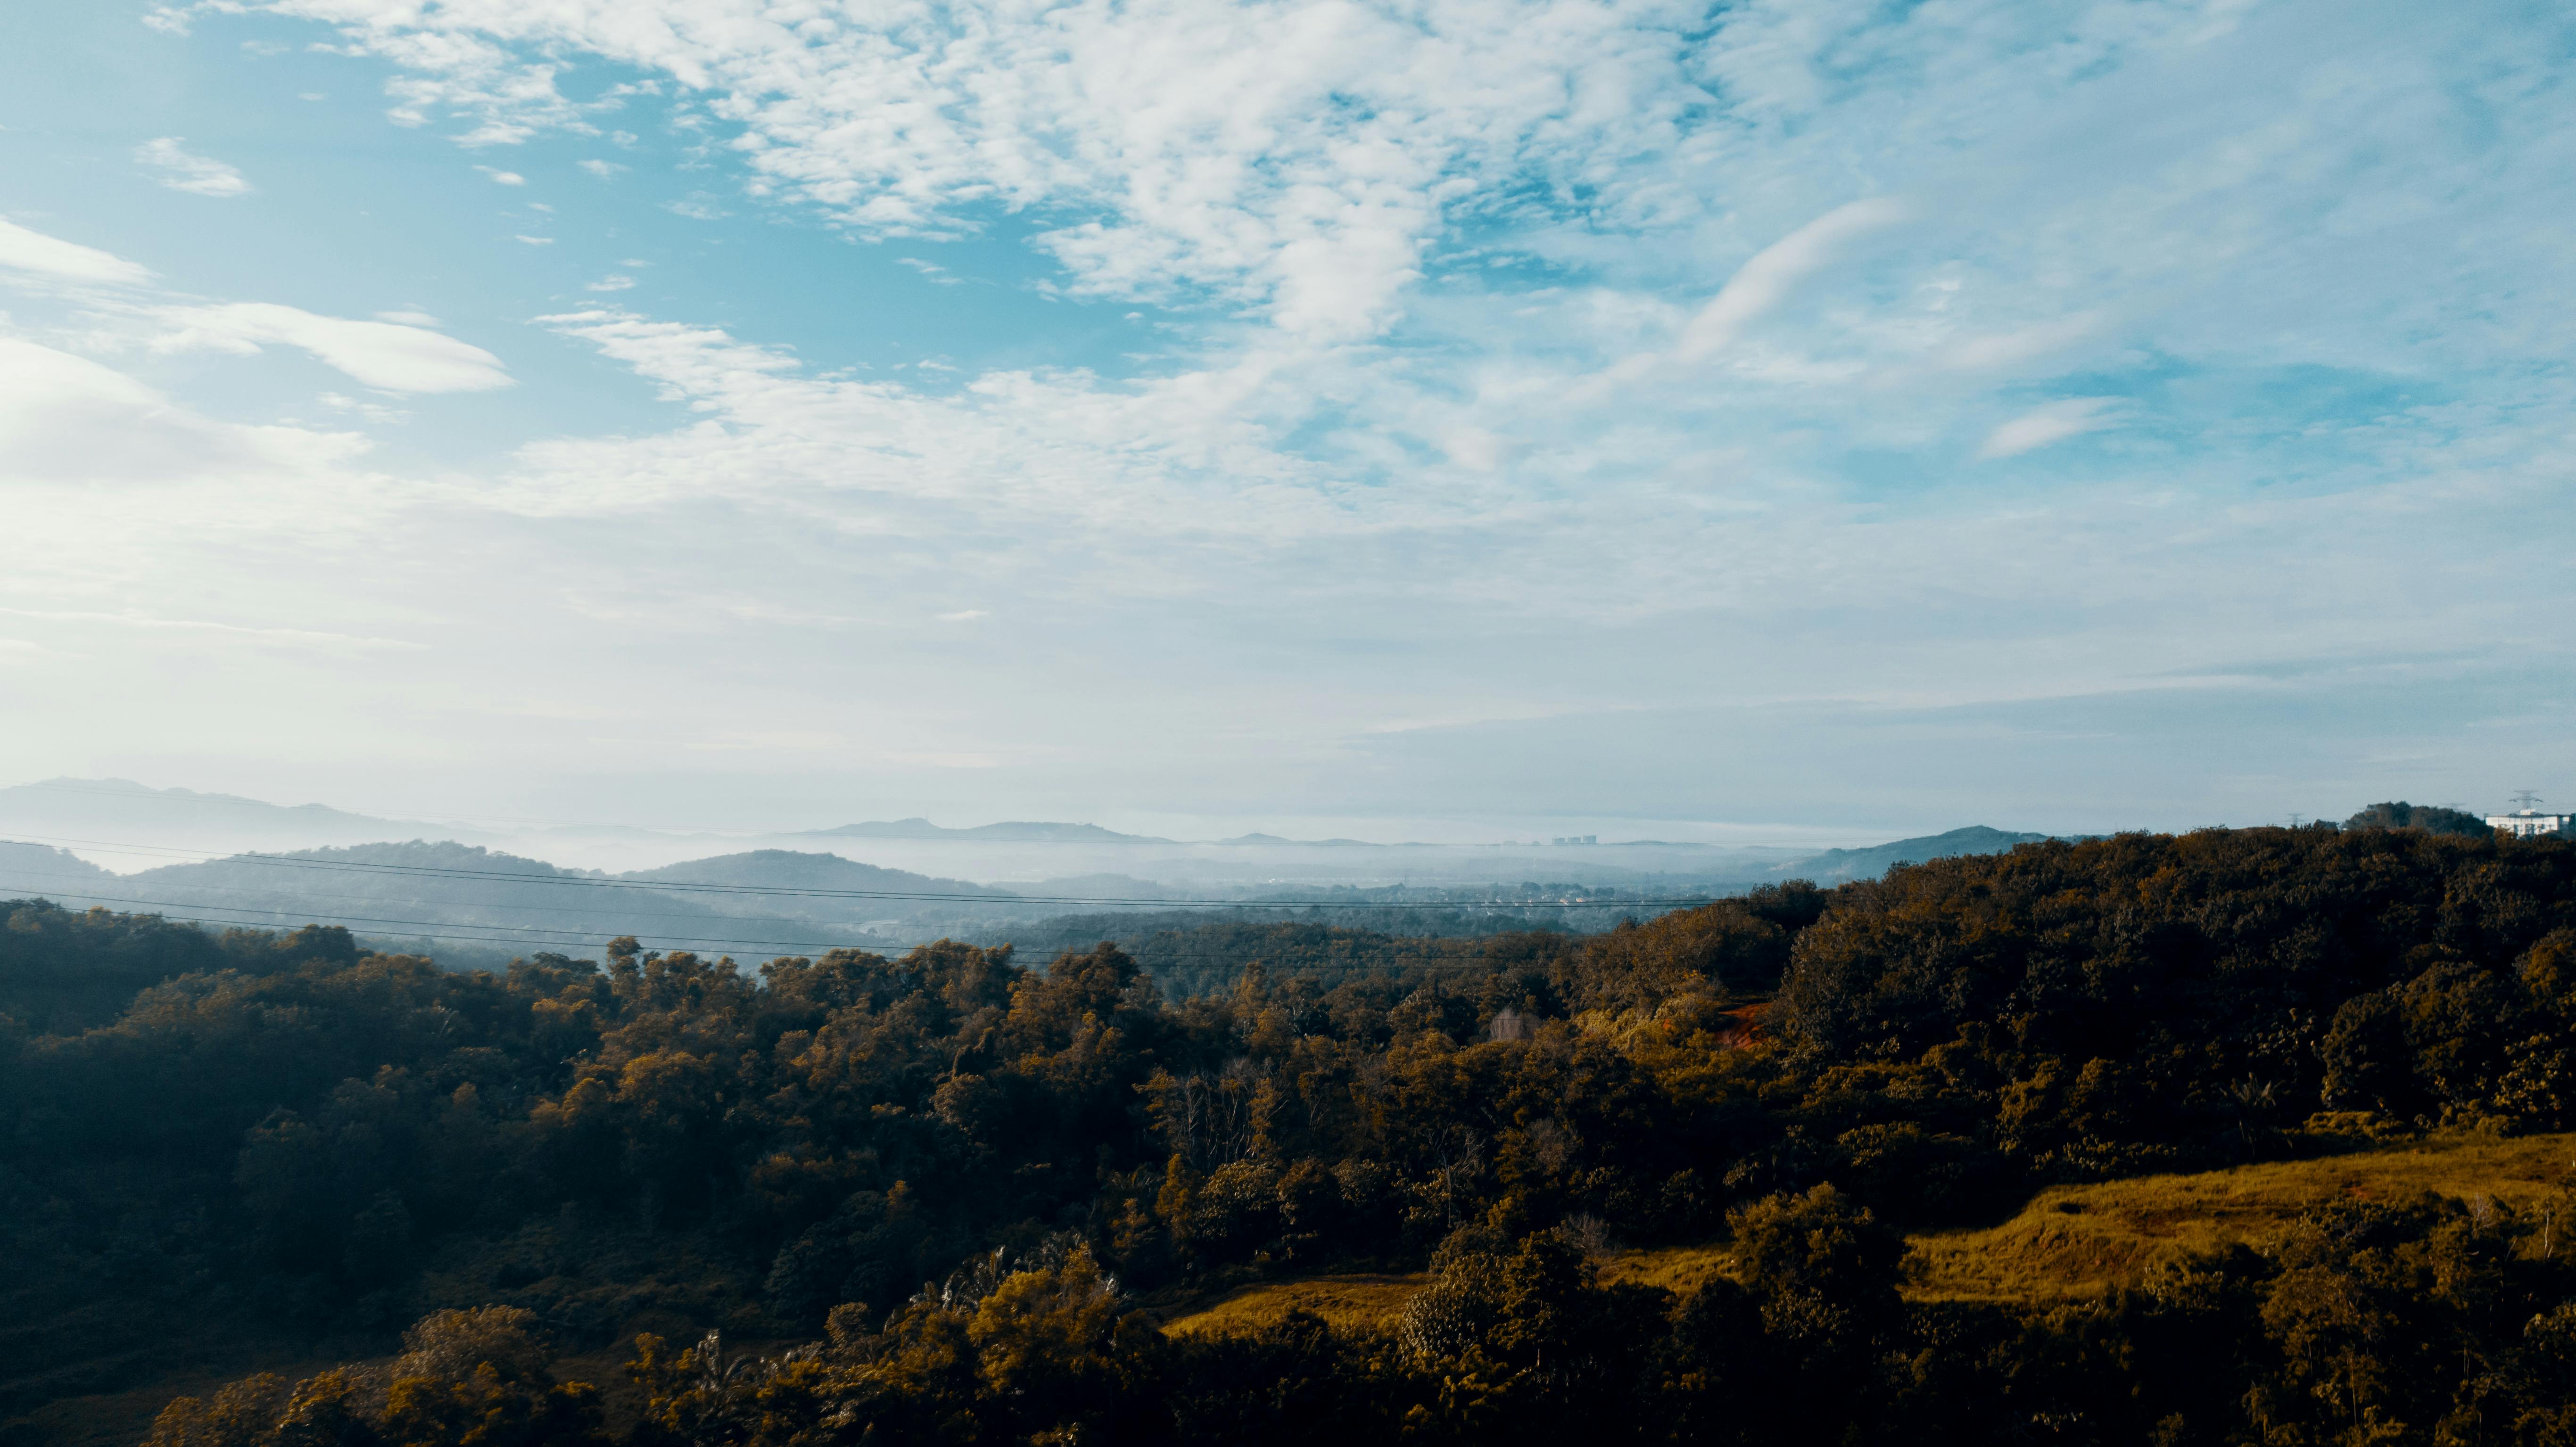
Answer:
[(69, 419), (197, 175), (604, 170), (932, 270), (965, 615), (387, 355), (2048, 423), (41, 381), (535, 240), (32, 251), (2320, 248), (609, 283), (1297, 159), (501, 177), (1761, 283), (371, 411)]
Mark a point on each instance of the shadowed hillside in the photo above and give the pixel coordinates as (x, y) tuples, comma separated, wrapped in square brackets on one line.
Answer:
[(2208, 1138)]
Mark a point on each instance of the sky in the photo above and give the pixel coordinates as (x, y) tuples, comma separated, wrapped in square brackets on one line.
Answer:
[(1451, 419)]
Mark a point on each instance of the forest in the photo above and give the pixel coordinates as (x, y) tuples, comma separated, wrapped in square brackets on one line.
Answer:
[(962, 1196)]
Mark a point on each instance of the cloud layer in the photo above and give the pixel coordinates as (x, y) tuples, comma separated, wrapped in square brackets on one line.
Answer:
[(1494, 361)]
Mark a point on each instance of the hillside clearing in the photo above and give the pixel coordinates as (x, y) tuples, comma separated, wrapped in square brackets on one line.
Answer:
[(2072, 1241), (2067, 1242)]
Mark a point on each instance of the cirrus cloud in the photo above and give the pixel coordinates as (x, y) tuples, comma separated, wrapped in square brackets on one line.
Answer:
[(34, 252), (2050, 422), (194, 174), (390, 356)]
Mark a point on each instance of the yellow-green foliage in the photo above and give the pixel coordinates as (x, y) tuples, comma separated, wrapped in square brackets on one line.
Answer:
[(1348, 1302), (1680, 1270), (2083, 1240), (1374, 1301), (2069, 1241)]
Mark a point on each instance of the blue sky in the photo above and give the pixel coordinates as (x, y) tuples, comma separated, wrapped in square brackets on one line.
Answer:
[(1450, 419)]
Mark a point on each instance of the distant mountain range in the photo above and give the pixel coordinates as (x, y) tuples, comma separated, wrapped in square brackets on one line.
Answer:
[(83, 808), (469, 901), (94, 812), (461, 896), (1013, 833), (466, 901)]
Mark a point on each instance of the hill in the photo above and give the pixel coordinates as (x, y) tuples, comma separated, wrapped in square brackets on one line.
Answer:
[(27, 869), (788, 869), (1011, 833), (1836, 866), (2070, 1066), (121, 811), (479, 906), (458, 898)]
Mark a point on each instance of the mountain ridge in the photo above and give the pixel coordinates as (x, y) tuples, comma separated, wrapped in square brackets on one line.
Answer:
[(1837, 866), (1017, 831)]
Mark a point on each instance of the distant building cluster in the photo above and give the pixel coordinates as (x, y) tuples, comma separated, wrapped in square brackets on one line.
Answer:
[(2528, 822), (1577, 839)]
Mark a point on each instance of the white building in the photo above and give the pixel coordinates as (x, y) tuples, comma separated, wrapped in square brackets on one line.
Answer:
[(2528, 822)]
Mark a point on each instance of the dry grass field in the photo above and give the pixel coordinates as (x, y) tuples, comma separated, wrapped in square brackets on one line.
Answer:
[(2083, 1240), (1355, 1301), (2066, 1242)]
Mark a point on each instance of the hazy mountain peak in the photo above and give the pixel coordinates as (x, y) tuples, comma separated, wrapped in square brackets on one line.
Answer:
[(1837, 865), (793, 869), (123, 811), (1013, 832)]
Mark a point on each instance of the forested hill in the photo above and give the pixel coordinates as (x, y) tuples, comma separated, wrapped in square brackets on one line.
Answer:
[(478, 903), (1836, 866), (474, 907), (782, 869), (289, 1136)]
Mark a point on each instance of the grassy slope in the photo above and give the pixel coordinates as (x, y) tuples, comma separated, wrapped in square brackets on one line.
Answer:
[(2083, 1240), (2068, 1241), (2112, 1232)]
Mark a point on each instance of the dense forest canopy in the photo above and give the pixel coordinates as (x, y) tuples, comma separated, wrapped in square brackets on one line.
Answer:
[(964, 1177), (2433, 818)]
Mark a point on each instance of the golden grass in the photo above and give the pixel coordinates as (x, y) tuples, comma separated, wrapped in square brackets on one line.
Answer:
[(2074, 1241), (1348, 1302), (1375, 1301), (1680, 1270), (2067, 1242)]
